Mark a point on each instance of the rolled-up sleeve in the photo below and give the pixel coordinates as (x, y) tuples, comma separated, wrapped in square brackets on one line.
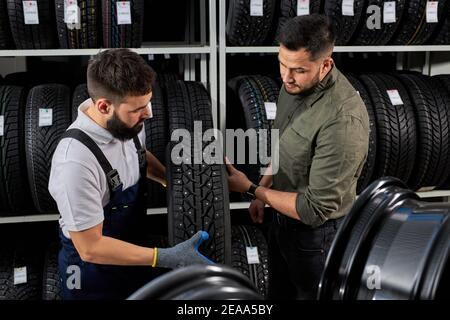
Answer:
[(340, 152)]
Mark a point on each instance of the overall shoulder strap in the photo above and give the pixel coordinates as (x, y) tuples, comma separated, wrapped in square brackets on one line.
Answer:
[(112, 176)]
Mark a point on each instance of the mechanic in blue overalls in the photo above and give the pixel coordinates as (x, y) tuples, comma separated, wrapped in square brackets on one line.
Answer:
[(98, 182)]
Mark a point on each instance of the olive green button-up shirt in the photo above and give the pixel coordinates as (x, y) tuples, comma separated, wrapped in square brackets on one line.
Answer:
[(323, 145)]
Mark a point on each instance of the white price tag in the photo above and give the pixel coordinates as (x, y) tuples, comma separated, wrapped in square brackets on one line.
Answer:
[(271, 110), (151, 57), (149, 106), (20, 275), (348, 8), (166, 56), (432, 11), (256, 8), (123, 12), (2, 124), (252, 255), (30, 12), (389, 12), (71, 12), (394, 95), (45, 117), (302, 7)]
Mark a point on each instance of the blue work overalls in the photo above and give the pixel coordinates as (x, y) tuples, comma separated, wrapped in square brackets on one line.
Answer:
[(123, 220)]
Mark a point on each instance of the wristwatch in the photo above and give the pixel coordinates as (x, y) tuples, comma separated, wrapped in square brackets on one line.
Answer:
[(252, 191)]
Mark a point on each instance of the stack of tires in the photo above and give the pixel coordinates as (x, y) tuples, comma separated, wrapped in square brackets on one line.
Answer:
[(359, 22), (71, 24)]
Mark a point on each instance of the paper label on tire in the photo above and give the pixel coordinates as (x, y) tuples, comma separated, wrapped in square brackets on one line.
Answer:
[(252, 255), (271, 110), (149, 106), (432, 11), (395, 98), (2, 124), (302, 7), (348, 8), (45, 117), (20, 275), (71, 12), (30, 12), (123, 12), (256, 8), (389, 12)]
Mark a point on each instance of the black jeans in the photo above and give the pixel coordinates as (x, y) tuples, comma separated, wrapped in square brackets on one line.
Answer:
[(297, 257)]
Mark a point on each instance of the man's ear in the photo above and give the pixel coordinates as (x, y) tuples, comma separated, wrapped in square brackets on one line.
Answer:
[(327, 65), (104, 106)]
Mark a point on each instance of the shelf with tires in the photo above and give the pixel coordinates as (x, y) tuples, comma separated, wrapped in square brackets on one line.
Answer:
[(412, 29)]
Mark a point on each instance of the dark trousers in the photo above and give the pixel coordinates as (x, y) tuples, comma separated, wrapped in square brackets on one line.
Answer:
[(297, 257)]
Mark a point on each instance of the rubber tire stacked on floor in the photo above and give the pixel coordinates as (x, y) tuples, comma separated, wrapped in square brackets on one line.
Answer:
[(41, 141), (80, 94), (51, 282), (12, 258), (246, 236)]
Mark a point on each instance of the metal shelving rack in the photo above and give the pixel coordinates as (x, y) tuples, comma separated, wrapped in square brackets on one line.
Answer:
[(208, 74)]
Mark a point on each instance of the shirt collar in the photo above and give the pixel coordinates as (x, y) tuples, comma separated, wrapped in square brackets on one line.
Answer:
[(326, 83), (97, 132)]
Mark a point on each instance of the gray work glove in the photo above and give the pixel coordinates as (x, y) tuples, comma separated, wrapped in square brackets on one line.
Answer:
[(184, 253)]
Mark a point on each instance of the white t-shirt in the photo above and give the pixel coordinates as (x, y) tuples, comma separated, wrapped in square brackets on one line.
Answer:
[(77, 181)]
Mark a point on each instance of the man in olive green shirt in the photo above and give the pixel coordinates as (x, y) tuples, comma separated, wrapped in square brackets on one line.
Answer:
[(324, 135)]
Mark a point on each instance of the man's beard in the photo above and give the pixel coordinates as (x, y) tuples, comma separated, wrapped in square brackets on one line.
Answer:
[(119, 129), (307, 91)]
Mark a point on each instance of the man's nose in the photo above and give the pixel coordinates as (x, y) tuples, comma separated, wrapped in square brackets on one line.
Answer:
[(286, 77)]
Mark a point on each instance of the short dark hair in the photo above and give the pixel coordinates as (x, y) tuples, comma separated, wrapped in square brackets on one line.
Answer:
[(117, 73), (314, 33)]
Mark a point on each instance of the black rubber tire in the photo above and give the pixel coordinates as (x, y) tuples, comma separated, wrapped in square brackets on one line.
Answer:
[(197, 194), (84, 37), (37, 36), (14, 190), (396, 127), (200, 104), (288, 8), (433, 125), (51, 282), (19, 256), (252, 101), (344, 26), (41, 142), (199, 282), (414, 30), (122, 36), (441, 35), (6, 41), (250, 236), (382, 36), (367, 171), (80, 94), (245, 30), (197, 199), (156, 141)]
